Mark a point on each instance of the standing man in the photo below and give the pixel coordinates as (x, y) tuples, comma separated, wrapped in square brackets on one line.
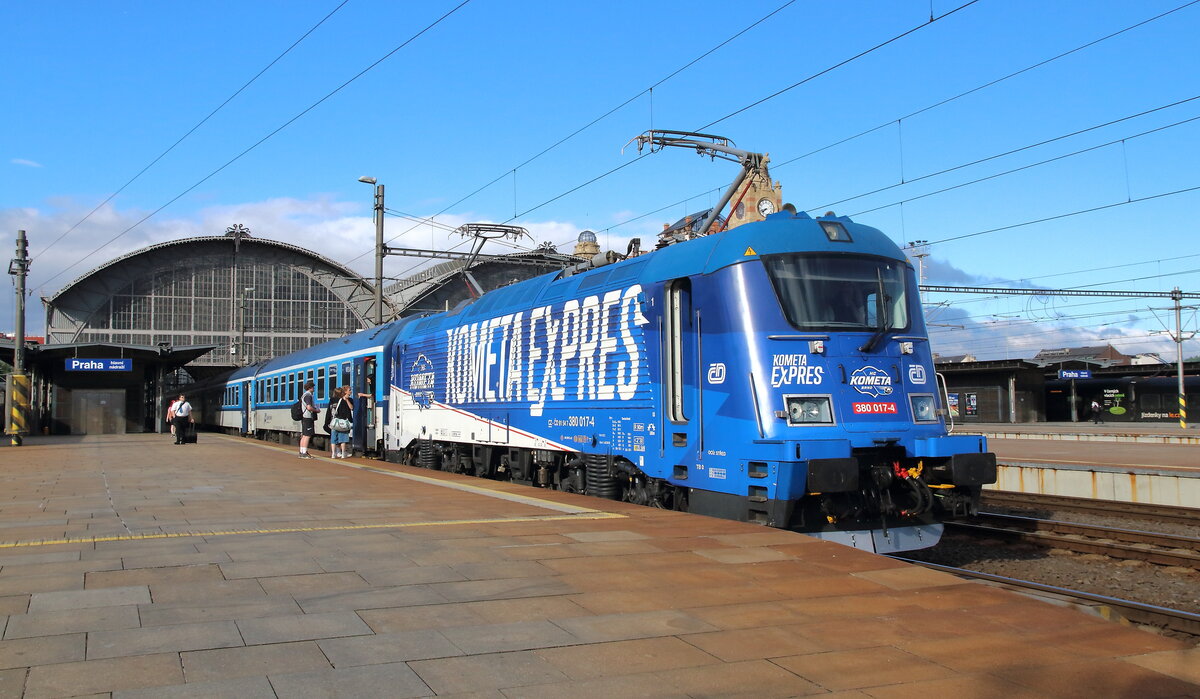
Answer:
[(183, 416), (308, 419), (1097, 414)]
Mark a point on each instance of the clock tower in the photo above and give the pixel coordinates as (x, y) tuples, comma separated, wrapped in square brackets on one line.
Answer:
[(759, 197)]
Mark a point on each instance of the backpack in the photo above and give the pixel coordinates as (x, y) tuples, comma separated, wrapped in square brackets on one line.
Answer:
[(297, 411)]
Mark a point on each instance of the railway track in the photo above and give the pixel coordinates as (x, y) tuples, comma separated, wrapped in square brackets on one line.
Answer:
[(1107, 508), (1129, 544), (1112, 608)]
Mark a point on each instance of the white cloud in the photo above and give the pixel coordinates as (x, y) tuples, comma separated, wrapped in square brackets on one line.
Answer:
[(26, 163)]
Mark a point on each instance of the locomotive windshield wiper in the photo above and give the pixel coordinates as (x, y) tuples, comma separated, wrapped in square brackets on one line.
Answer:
[(882, 301)]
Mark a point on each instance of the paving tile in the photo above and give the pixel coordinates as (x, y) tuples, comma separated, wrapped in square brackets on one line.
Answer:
[(614, 535), (177, 613), (973, 686), (151, 576), (374, 598), (236, 688), (86, 599), (392, 680), (512, 588), (912, 577), (521, 635), (1098, 639), (483, 672), (388, 648), (1180, 664), (502, 570), (12, 682), (753, 644), (212, 592), (313, 584), (301, 627), (72, 621), (863, 667), (409, 575), (20, 559), (270, 568), (622, 627), (18, 585), (1112, 678), (743, 555), (598, 660), (174, 638), (747, 615), (100, 676), (751, 679), (227, 663), (433, 616), (44, 650), (62, 568), (503, 611), (14, 604)]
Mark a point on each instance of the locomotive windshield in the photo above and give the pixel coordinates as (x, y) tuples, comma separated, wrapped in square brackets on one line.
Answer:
[(840, 292)]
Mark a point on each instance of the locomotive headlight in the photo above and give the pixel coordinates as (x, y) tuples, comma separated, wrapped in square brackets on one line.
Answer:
[(808, 410), (923, 408)]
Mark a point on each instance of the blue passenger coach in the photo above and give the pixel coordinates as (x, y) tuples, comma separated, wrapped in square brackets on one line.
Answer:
[(257, 399), (779, 372)]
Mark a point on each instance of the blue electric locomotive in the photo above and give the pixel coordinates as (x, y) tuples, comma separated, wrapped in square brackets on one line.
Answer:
[(778, 372)]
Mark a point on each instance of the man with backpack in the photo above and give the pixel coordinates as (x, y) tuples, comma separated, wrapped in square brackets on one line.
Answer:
[(308, 419)]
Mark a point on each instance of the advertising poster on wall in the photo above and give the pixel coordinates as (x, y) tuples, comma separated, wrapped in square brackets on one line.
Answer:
[(972, 404), (952, 401)]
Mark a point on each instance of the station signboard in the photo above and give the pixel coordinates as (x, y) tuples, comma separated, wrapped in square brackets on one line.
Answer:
[(81, 364), (1074, 373)]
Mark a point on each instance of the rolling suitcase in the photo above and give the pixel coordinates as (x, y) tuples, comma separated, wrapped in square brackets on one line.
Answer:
[(189, 434)]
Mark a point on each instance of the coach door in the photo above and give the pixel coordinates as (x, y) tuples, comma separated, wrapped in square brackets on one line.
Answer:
[(245, 401)]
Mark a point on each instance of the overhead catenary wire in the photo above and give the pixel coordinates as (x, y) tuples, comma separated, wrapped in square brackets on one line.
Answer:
[(940, 103), (192, 130), (262, 140), (512, 171)]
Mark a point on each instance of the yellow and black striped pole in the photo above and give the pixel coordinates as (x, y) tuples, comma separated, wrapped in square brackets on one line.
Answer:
[(1183, 411), (18, 407)]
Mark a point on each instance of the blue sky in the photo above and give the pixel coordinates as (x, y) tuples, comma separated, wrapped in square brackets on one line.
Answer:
[(97, 90)]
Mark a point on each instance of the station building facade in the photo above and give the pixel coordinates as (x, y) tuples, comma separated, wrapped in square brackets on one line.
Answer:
[(126, 337), (152, 321)]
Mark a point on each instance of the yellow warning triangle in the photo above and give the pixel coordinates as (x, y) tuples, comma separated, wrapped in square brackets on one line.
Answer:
[(749, 252)]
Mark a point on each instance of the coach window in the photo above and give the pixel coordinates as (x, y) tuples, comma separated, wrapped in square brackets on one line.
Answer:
[(345, 373), (332, 379), (678, 312), (321, 383)]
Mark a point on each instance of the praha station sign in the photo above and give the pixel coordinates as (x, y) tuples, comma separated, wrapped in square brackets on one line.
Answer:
[(77, 364)]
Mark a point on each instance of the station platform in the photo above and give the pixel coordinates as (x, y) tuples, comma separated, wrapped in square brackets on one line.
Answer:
[(131, 567), (1120, 432), (1155, 464)]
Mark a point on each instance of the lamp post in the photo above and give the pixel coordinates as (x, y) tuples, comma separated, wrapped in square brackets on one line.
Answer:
[(378, 247), (242, 335)]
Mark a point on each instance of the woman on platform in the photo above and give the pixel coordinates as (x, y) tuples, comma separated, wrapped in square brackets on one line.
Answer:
[(339, 420)]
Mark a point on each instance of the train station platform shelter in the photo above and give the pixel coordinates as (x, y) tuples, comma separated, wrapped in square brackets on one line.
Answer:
[(102, 388)]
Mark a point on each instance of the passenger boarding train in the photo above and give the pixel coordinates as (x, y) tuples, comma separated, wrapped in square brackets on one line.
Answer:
[(778, 372)]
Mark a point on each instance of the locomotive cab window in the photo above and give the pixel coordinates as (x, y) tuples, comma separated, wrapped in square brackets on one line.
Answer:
[(841, 292)]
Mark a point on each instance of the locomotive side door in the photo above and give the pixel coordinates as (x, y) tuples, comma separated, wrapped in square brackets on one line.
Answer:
[(680, 385)]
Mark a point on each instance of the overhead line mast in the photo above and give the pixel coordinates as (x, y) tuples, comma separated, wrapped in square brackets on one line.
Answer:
[(1175, 295)]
